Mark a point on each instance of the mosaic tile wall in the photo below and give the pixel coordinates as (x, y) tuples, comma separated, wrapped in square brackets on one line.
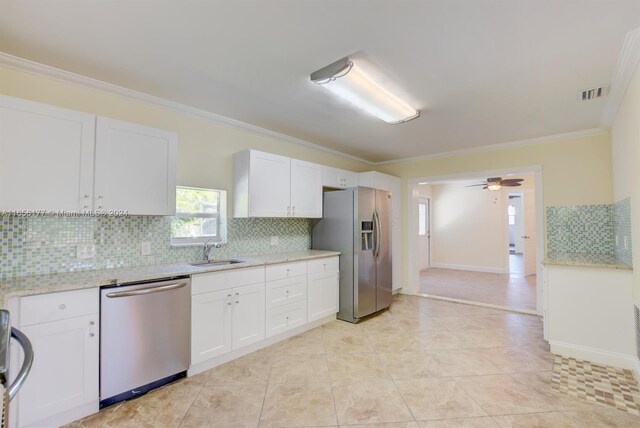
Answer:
[(622, 229), (42, 245), (591, 229)]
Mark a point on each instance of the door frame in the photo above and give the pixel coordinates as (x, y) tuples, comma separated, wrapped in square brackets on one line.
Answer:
[(413, 285), (421, 199)]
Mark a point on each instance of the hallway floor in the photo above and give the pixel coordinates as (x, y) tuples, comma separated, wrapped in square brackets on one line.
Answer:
[(511, 290), (423, 363)]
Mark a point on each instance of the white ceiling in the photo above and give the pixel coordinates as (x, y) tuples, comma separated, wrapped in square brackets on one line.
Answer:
[(482, 72)]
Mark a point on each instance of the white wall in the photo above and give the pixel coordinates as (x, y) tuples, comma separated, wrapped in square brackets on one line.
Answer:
[(469, 227), (625, 151)]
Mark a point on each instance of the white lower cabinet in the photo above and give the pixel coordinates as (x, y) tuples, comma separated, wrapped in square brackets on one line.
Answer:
[(323, 289), (286, 318), (65, 372), (224, 317)]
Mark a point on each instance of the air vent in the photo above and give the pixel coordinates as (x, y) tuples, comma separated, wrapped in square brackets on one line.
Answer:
[(592, 94)]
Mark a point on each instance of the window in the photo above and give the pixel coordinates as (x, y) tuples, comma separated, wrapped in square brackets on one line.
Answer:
[(199, 216), (422, 219), (511, 210)]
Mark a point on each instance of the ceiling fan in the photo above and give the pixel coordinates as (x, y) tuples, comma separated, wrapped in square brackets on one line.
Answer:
[(496, 183)]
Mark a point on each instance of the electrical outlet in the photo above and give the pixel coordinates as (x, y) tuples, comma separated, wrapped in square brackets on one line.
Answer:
[(274, 240), (145, 248), (86, 250)]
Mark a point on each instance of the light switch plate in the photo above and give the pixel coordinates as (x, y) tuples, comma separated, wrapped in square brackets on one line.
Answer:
[(145, 248), (274, 240), (86, 250)]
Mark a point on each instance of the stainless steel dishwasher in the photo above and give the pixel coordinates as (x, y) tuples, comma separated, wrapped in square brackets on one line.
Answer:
[(144, 336)]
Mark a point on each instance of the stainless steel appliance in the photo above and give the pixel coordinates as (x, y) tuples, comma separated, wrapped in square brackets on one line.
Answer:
[(356, 223), (144, 337), (10, 390)]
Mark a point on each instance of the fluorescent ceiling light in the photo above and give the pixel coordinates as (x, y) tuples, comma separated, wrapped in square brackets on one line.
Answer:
[(347, 80)]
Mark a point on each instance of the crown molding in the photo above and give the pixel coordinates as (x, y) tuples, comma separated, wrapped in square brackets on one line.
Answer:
[(502, 146), (625, 68), (32, 67)]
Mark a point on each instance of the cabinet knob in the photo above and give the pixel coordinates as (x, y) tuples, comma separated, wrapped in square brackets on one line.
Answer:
[(229, 304), (287, 291), (237, 302), (100, 201), (287, 317), (91, 334), (62, 306), (237, 293), (91, 323), (229, 295)]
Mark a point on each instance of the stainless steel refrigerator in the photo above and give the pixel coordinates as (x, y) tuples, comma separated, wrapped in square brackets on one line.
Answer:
[(356, 223)]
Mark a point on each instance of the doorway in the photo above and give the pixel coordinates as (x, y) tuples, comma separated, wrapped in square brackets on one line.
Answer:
[(471, 270)]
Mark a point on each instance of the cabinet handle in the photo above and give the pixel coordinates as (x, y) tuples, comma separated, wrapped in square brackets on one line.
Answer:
[(237, 293), (91, 334), (229, 304), (237, 302), (100, 201), (229, 295), (287, 318), (62, 306), (91, 323), (287, 291), (86, 199), (288, 211)]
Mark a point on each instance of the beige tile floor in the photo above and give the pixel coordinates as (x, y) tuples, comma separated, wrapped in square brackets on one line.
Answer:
[(423, 363), (512, 290)]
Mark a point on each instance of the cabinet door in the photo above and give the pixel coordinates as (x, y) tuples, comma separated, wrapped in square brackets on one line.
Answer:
[(306, 189), (135, 168), (322, 294), (65, 368), (210, 325), (248, 315), (269, 185), (46, 157)]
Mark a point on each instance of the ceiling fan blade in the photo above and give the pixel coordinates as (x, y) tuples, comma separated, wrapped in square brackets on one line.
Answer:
[(511, 184), (485, 187), (513, 180), (474, 185)]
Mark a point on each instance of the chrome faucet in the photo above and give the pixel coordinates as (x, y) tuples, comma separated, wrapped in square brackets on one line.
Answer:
[(206, 249)]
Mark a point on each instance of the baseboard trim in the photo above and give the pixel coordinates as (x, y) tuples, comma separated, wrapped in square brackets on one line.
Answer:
[(474, 303), (470, 268), (214, 362), (597, 356)]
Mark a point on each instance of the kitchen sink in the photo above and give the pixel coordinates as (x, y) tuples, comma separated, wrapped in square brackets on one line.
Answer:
[(218, 262)]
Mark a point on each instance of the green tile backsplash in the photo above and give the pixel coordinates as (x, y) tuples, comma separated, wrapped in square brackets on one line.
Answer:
[(43, 245), (591, 229)]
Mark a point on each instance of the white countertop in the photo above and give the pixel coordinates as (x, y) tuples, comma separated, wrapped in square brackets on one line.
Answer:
[(40, 284)]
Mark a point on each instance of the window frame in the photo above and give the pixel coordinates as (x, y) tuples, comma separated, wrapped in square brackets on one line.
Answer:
[(220, 216)]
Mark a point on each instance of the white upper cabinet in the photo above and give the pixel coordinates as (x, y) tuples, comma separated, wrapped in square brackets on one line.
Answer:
[(338, 178), (306, 189), (57, 159), (135, 168), (268, 185), (46, 157)]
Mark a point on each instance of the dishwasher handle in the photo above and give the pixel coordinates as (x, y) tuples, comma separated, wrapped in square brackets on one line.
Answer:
[(25, 343), (149, 290)]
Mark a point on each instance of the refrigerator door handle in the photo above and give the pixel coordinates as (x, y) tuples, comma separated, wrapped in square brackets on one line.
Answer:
[(376, 238)]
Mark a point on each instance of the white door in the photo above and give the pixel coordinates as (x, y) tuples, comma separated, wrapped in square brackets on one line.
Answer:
[(46, 157), (424, 234), (65, 368), (306, 189), (529, 228), (248, 315), (269, 185), (135, 168), (322, 296), (210, 325)]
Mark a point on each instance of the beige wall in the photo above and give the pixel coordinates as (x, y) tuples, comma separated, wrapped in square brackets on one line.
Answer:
[(574, 171), (469, 227), (625, 147), (205, 148)]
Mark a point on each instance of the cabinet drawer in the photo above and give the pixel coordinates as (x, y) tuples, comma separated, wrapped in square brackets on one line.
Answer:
[(58, 306), (327, 264), (286, 318), (216, 281), (286, 270), (286, 291)]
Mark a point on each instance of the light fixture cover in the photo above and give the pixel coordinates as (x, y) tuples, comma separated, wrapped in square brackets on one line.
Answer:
[(347, 80), (494, 186)]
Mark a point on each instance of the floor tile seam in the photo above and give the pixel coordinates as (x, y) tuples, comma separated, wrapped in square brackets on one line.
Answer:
[(404, 401), (469, 395), (103, 424), (190, 406)]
